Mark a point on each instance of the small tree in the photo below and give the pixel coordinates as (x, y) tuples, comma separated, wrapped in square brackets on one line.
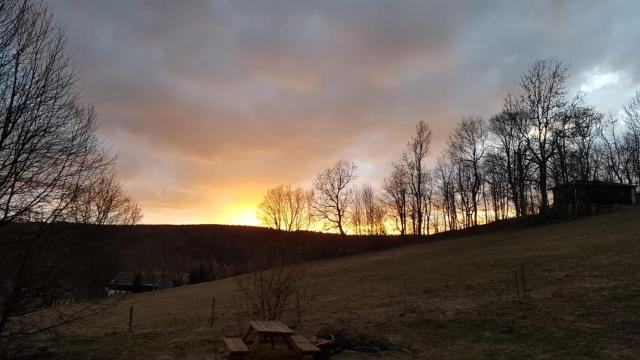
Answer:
[(275, 285), (368, 212), (285, 208)]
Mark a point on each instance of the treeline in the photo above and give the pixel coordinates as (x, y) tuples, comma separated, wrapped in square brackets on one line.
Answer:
[(169, 252), (217, 251), (209, 252), (491, 169)]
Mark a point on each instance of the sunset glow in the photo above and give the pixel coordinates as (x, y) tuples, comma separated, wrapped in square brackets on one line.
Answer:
[(209, 104), (239, 215)]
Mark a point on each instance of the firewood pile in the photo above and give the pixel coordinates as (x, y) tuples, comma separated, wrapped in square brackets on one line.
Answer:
[(334, 341)]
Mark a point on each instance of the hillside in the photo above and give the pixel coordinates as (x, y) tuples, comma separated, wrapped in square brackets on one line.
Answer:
[(228, 248), (582, 278)]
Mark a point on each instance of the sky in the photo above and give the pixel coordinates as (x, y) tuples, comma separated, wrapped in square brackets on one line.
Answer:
[(210, 103)]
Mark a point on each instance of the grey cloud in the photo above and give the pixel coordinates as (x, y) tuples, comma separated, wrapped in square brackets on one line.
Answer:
[(217, 94)]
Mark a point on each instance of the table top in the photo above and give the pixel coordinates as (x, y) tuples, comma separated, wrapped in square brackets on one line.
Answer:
[(303, 344), (270, 327)]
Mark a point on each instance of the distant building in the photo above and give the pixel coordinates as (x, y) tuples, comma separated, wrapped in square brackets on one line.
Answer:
[(128, 282), (581, 197)]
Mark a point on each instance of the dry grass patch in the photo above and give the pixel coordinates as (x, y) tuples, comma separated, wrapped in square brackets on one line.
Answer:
[(582, 278)]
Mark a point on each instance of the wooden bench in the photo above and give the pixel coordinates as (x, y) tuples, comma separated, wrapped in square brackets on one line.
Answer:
[(236, 346), (302, 345)]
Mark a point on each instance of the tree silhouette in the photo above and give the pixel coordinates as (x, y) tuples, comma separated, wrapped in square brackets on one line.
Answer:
[(285, 208), (52, 172), (333, 196)]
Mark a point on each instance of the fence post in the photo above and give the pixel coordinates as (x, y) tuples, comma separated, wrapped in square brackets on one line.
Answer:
[(524, 288), (298, 310), (130, 318), (515, 277), (404, 295), (213, 311)]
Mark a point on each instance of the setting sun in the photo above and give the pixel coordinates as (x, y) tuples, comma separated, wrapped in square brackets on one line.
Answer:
[(241, 214)]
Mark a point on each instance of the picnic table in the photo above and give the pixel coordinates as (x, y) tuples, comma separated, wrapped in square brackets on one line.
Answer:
[(274, 333)]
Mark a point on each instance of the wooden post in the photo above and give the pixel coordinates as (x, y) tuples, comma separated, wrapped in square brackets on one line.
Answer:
[(404, 295), (130, 318), (524, 288), (298, 310), (515, 277), (213, 311)]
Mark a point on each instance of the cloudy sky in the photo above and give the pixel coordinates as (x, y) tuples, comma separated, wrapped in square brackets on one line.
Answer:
[(209, 103)]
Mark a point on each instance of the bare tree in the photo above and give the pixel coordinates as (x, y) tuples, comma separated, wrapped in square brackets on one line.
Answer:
[(50, 159), (467, 147), (495, 177), (396, 191), (508, 128), (413, 160), (284, 208), (445, 180), (48, 148), (104, 202), (276, 282), (357, 216), (632, 112), (616, 151), (368, 212), (584, 135), (333, 196), (632, 121), (375, 213), (428, 201), (543, 95)]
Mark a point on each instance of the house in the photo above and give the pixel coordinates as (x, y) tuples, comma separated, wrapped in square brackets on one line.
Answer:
[(128, 282), (581, 197)]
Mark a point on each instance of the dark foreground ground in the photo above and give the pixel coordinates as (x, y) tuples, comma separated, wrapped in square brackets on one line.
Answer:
[(583, 300)]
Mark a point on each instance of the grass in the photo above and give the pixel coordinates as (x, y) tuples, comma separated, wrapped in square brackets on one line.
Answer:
[(583, 300)]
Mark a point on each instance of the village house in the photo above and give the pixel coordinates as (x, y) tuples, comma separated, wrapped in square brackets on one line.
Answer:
[(128, 282)]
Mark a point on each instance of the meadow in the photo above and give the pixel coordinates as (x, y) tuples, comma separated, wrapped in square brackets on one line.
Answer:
[(582, 290)]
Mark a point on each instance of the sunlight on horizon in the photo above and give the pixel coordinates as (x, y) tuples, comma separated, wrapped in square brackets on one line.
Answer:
[(238, 215), (232, 214)]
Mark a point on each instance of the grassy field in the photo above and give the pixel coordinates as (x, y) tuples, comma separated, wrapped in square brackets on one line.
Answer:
[(583, 280)]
